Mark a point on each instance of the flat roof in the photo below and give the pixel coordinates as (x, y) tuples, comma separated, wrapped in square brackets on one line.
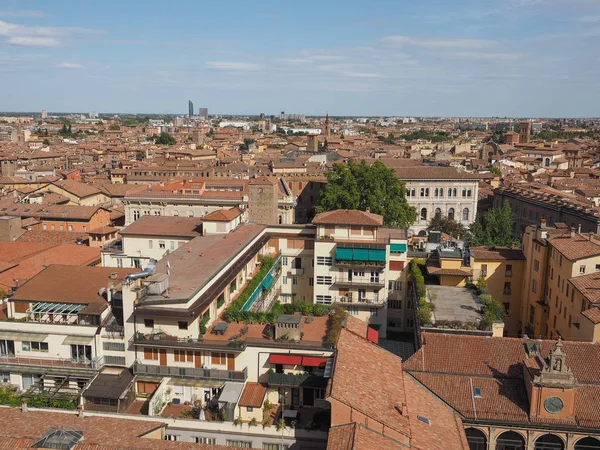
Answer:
[(454, 303), (188, 227)]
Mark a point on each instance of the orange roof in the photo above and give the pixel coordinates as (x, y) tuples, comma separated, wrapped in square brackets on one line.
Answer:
[(253, 395), (222, 215), (348, 217)]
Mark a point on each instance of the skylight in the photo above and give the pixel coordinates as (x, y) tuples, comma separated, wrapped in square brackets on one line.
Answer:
[(477, 392)]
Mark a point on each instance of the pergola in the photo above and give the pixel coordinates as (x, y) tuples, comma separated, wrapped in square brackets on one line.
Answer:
[(54, 312)]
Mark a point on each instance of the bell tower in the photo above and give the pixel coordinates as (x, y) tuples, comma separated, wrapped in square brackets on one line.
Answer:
[(327, 127), (552, 385)]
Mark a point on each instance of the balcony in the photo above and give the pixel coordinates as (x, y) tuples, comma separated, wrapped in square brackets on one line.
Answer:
[(363, 265), (191, 373), (296, 271), (367, 301), (50, 363), (164, 340), (295, 380), (346, 280)]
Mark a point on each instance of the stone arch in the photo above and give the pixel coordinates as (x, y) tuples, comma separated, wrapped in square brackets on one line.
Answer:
[(587, 443), (510, 440), (476, 439), (549, 442)]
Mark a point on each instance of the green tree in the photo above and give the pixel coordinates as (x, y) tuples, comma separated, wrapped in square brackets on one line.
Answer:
[(46, 142), (448, 226), (495, 229), (114, 127), (367, 187), (496, 171), (165, 139)]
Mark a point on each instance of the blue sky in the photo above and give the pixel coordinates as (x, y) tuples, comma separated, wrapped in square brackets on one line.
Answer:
[(378, 57)]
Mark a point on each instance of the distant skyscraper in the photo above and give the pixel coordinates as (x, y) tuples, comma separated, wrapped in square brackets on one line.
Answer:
[(191, 108), (44, 114), (204, 113)]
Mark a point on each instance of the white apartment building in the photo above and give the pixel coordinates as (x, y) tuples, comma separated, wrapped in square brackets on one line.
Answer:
[(447, 191)]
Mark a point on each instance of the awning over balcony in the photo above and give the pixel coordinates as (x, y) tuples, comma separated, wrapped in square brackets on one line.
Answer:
[(20, 336), (343, 254), (231, 392), (77, 340), (376, 254), (398, 248), (290, 360), (268, 281), (360, 254), (313, 361)]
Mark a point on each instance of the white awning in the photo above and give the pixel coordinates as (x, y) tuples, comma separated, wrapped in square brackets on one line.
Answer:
[(20, 336), (78, 340), (231, 392)]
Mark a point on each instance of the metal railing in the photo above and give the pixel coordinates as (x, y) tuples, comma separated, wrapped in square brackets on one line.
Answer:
[(359, 280), (190, 372), (359, 301), (187, 342), (49, 362)]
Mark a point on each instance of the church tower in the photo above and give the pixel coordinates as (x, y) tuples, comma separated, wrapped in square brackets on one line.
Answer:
[(327, 127)]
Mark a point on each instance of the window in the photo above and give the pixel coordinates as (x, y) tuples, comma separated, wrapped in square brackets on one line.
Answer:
[(149, 323), (284, 280), (161, 244), (311, 281), (581, 270), (151, 353), (150, 244), (424, 214), (534, 286), (182, 356), (172, 437), (31, 346), (536, 265), (284, 261), (373, 311), (183, 325), (441, 192), (85, 229), (395, 286), (324, 261), (324, 280), (531, 314), (451, 214), (243, 444), (62, 228), (81, 353), (507, 289), (353, 310), (324, 299), (204, 440), (113, 346), (508, 271), (506, 307), (464, 192), (394, 304), (4, 377), (295, 281), (267, 446), (436, 193), (172, 245), (465, 215)]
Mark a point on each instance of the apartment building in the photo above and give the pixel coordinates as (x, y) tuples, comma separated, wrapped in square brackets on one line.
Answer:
[(445, 191), (268, 200), (361, 265), (559, 288)]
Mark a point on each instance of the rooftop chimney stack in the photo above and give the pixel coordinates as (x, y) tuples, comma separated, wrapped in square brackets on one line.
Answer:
[(579, 229), (24, 405), (572, 232), (542, 223)]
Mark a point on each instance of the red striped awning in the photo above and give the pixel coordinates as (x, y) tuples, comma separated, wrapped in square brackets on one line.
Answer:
[(313, 361), (291, 360)]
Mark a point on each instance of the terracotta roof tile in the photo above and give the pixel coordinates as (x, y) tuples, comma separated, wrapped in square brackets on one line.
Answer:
[(222, 215), (164, 226), (253, 395), (496, 253), (348, 217)]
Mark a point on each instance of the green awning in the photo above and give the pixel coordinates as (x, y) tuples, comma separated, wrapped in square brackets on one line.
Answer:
[(361, 254), (398, 248), (343, 254), (268, 281), (376, 255)]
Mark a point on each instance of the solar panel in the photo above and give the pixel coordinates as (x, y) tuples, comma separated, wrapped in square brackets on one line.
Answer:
[(424, 419), (328, 368)]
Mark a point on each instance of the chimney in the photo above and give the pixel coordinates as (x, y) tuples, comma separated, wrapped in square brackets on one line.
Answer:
[(404, 410), (542, 223), (24, 405), (572, 232), (579, 228), (591, 237), (80, 409)]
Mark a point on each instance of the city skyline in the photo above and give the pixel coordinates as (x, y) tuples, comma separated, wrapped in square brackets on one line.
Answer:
[(523, 58)]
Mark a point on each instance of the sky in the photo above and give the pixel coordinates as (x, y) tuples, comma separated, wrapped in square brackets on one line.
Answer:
[(516, 58)]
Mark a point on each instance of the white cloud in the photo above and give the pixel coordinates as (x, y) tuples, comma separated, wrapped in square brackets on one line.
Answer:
[(68, 65), (233, 66), (439, 43), (22, 13), (362, 74), (36, 36)]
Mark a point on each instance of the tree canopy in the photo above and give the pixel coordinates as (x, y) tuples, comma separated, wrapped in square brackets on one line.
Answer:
[(448, 226), (165, 139), (367, 187), (495, 229), (46, 142), (114, 127)]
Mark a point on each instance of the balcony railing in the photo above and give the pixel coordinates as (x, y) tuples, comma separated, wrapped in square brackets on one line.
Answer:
[(188, 342), (66, 363), (296, 271), (359, 301), (189, 372), (359, 280)]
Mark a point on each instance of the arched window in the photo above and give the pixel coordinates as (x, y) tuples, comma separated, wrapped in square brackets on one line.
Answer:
[(476, 439), (510, 440), (136, 214), (424, 214), (441, 192), (588, 443), (464, 192), (175, 213), (190, 213), (438, 212), (549, 442), (436, 192), (547, 162), (426, 192), (451, 214), (469, 192), (454, 192), (466, 214)]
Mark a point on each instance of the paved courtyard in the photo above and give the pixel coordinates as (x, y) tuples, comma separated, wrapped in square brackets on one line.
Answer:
[(454, 303)]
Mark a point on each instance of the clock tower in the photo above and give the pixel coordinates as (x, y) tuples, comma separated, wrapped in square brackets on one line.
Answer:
[(551, 385)]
